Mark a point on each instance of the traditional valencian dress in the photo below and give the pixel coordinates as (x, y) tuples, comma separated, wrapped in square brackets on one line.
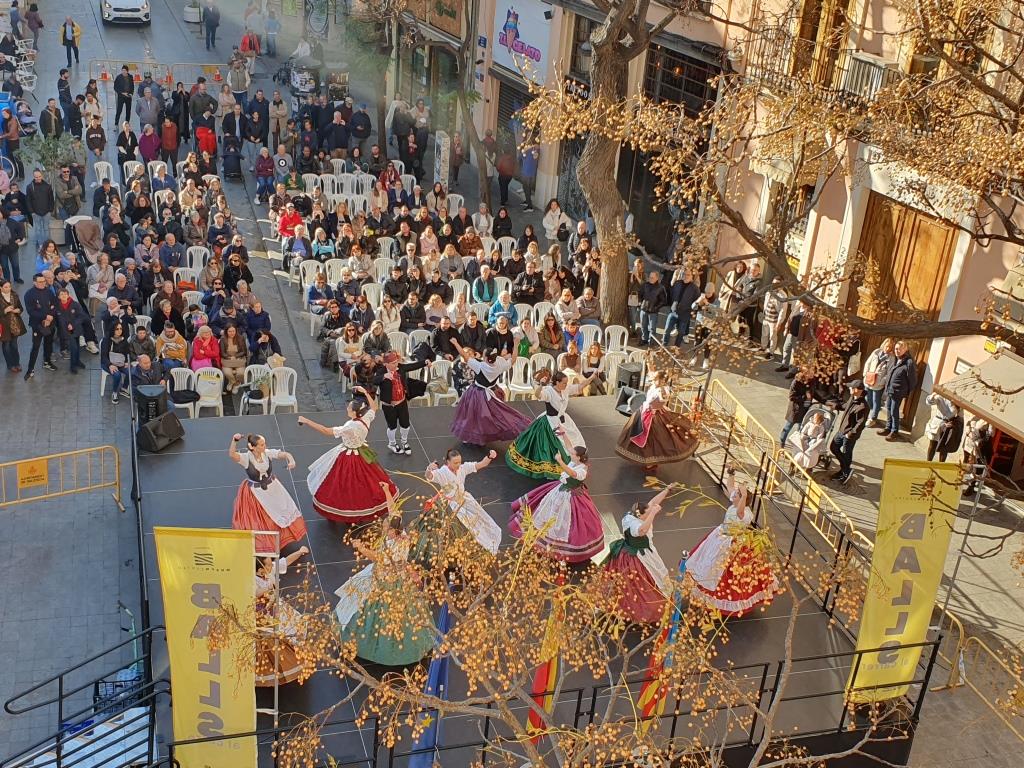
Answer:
[(481, 415), (730, 566), (263, 504), (645, 579), (468, 512), (381, 636), (656, 435), (345, 481), (575, 533), (533, 452), (283, 630)]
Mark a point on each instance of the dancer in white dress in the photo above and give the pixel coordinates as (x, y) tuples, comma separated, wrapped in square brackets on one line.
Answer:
[(732, 579), (450, 477), (283, 624), (262, 502)]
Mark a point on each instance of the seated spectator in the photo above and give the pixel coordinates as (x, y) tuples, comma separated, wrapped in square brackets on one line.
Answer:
[(446, 340), (205, 350), (166, 314), (214, 298), (228, 315), (495, 262), (435, 286), (515, 266), (528, 287), (502, 224), (396, 287), (237, 246), (257, 321), (117, 314), (503, 307), (593, 363), (376, 343), (413, 314), (142, 343), (552, 338), (565, 308), (572, 333), (458, 310), (526, 239), (361, 264), (528, 338), (474, 265), (347, 284), (115, 352), (552, 285), (233, 357), (168, 292), (589, 308), (361, 314), (473, 333), (323, 246), (100, 278), (145, 252), (485, 288), (235, 271), (125, 293), (266, 346), (318, 294), (470, 242), (349, 346), (500, 337), (434, 311), (171, 348), (390, 314), (451, 265), (242, 297), (145, 373), (172, 253), (195, 319)]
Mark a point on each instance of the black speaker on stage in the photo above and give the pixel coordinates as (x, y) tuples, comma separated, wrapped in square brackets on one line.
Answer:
[(150, 401), (629, 375), (155, 435), (630, 400)]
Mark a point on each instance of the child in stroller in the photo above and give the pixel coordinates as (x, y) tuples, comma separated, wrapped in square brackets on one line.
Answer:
[(808, 445)]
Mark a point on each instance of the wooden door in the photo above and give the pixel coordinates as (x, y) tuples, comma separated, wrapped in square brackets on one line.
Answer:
[(913, 252)]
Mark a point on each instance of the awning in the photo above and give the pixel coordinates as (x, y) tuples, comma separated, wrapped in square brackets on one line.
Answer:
[(990, 390), (776, 168)]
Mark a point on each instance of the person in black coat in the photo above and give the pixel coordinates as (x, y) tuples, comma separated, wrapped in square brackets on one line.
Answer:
[(854, 419), (435, 285), (71, 319), (683, 293), (446, 340), (652, 298), (528, 287), (395, 389), (41, 306), (899, 386), (165, 314)]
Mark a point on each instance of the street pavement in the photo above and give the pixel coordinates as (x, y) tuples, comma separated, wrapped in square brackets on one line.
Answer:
[(71, 560)]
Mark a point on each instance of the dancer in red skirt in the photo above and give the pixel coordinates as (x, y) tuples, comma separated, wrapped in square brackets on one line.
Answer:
[(262, 503), (346, 481), (730, 567), (645, 580)]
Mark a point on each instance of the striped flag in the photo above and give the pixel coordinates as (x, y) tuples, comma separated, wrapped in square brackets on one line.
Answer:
[(653, 693), (437, 685), (546, 676)]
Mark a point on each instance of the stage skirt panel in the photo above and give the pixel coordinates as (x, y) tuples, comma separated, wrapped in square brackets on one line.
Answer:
[(272, 509), (657, 436), (730, 576), (482, 417), (576, 533), (345, 483)]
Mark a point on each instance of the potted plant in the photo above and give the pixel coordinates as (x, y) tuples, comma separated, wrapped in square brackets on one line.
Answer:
[(48, 154), (192, 14)]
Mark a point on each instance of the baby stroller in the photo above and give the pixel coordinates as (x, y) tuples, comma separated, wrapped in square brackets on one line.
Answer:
[(232, 160), (810, 445)]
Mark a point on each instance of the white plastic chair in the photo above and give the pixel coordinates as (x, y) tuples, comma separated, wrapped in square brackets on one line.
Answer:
[(482, 309), (333, 269), (153, 167), (164, 198), (541, 310), (454, 202), (489, 244), (373, 293), (192, 297), (253, 373), (143, 321), (502, 283), (615, 338), (310, 181), (612, 361), (417, 336), (523, 311), (382, 268), (399, 342), (358, 204), (307, 274), (590, 334), (130, 167), (364, 184), (283, 382), (186, 275), (102, 170), (505, 247), (408, 182), (330, 184), (183, 378), (179, 169), (197, 256), (347, 184), (458, 285), (539, 362), (209, 383), (442, 369), (639, 356), (315, 321), (209, 178), (388, 247), (399, 166), (519, 382), (338, 165)]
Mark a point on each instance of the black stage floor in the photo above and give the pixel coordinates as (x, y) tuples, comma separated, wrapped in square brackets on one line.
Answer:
[(193, 484)]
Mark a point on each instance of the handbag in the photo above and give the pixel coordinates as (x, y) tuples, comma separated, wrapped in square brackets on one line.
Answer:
[(17, 326), (871, 379), (563, 233)]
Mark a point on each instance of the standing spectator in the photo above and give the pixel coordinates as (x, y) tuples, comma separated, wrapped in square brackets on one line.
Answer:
[(773, 321), (901, 383), (706, 308), (148, 109), (70, 35), (798, 328), (41, 206), (16, 19), (555, 223), (683, 292), (271, 29), (945, 428), (127, 146), (506, 166), (652, 298), (238, 80), (255, 130), (264, 176), (800, 399), (211, 20), (124, 88), (746, 289), (149, 144), (41, 305), (10, 266), (250, 48), (277, 119), (169, 142), (71, 320), (179, 114), (12, 325), (529, 159), (35, 24), (876, 375), (68, 193), (855, 418), (201, 101), (360, 129), (51, 121)]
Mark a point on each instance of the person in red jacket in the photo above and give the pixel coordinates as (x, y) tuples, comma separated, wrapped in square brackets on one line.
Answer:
[(250, 48), (169, 142)]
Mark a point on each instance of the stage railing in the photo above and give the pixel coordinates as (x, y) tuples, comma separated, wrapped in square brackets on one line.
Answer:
[(998, 683), (61, 474)]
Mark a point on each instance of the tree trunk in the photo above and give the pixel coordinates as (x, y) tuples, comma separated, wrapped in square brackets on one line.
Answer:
[(382, 111), (478, 151), (596, 175)]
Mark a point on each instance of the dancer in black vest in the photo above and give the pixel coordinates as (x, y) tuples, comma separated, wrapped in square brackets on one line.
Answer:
[(395, 390)]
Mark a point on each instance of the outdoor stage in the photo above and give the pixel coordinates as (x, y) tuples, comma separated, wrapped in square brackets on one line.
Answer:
[(193, 483)]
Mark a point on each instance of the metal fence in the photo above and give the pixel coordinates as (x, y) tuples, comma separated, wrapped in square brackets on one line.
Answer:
[(61, 474)]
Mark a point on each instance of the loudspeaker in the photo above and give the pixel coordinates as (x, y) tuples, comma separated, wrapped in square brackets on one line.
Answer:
[(629, 375), (150, 401), (630, 401), (155, 435)]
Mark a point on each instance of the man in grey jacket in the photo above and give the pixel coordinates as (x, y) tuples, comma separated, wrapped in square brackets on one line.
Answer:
[(148, 109), (68, 192), (41, 206)]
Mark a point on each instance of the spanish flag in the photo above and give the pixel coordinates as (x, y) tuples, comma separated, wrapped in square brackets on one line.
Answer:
[(654, 693), (546, 677)]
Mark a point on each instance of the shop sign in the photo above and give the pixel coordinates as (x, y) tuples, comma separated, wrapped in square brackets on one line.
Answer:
[(521, 34), (577, 88), (445, 15)]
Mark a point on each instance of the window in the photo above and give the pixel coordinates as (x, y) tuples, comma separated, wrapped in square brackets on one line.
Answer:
[(680, 79), (582, 53)]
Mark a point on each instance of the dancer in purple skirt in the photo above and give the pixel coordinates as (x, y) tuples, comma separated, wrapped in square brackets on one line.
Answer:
[(481, 415)]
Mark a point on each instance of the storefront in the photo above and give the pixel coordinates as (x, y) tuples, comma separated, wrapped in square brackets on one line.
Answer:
[(577, 83), (431, 72), (680, 78)]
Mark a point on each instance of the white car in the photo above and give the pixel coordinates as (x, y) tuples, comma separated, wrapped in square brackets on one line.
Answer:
[(125, 12)]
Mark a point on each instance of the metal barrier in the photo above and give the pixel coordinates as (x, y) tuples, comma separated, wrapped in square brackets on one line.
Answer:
[(166, 75), (985, 673), (61, 474)]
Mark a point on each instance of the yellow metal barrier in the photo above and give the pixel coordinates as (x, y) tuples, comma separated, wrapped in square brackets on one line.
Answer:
[(61, 474), (757, 440), (987, 675)]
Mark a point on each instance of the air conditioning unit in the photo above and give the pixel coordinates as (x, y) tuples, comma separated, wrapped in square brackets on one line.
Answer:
[(866, 74)]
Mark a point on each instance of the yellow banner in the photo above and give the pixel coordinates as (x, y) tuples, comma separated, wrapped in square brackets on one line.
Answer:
[(915, 519), (33, 473), (199, 570)]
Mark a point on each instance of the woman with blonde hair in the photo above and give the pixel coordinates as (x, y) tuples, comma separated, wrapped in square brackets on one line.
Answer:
[(225, 102), (435, 310), (389, 314), (458, 310)]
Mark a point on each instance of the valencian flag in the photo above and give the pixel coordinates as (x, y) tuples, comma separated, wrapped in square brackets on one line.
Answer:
[(437, 685), (653, 693), (546, 676)]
